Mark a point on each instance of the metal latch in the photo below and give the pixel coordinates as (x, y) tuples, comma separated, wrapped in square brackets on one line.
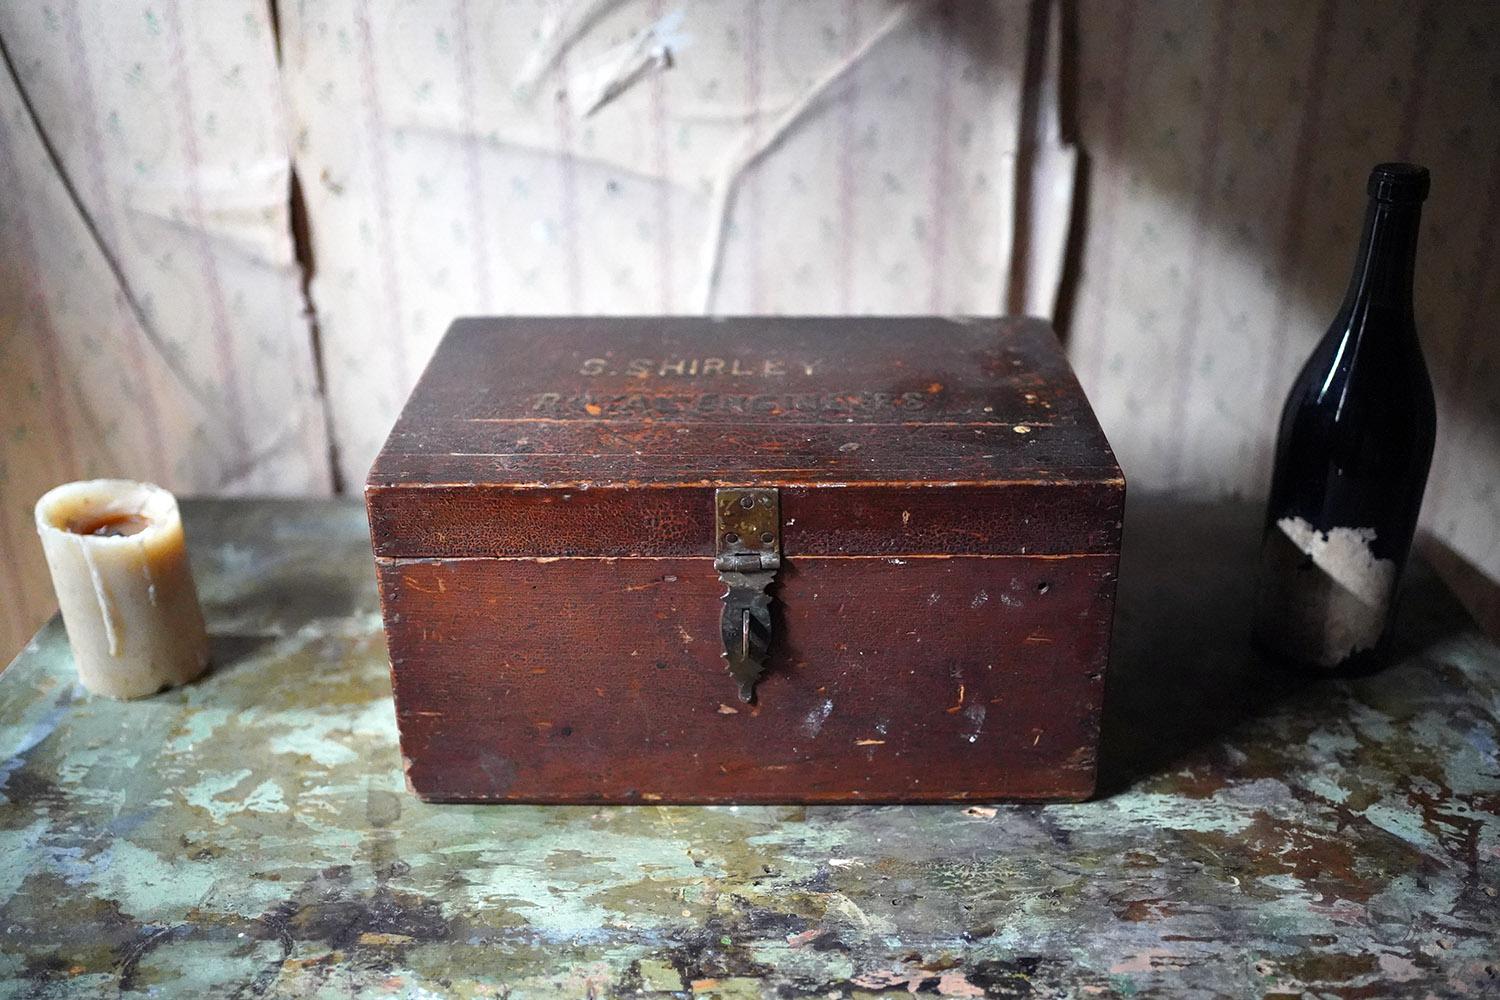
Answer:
[(747, 556)]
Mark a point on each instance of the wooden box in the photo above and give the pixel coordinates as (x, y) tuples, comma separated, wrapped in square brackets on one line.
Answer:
[(577, 524)]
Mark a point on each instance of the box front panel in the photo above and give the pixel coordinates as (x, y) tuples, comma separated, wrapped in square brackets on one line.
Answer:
[(891, 679)]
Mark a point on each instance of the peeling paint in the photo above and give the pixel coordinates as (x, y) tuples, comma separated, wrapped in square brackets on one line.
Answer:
[(250, 834)]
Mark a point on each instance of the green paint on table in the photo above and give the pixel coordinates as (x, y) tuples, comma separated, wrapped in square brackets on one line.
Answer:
[(250, 834)]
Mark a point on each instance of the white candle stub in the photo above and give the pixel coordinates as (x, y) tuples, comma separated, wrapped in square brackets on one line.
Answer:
[(119, 566)]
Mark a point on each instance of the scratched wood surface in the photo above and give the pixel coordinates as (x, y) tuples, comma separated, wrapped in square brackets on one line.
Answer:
[(897, 680), (655, 400), (543, 521), (605, 436), (1255, 834)]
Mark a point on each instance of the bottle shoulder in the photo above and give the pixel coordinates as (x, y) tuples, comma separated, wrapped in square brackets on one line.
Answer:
[(1362, 409), (1364, 356)]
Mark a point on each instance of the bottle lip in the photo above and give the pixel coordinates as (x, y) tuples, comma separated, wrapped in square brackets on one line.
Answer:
[(1399, 183)]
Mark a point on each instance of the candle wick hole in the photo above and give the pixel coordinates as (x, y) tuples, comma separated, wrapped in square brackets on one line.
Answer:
[(116, 525)]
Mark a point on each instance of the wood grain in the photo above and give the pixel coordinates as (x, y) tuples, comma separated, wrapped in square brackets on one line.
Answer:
[(542, 520), (600, 680)]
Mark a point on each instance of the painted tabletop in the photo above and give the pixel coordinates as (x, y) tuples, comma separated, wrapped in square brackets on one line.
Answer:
[(250, 835)]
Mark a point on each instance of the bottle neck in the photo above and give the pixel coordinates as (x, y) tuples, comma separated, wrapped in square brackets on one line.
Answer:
[(1387, 260)]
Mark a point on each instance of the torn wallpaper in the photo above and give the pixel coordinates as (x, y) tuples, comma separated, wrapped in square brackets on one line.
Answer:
[(575, 156), (150, 310), (642, 157)]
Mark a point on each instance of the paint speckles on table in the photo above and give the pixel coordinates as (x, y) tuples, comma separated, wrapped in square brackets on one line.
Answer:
[(250, 834)]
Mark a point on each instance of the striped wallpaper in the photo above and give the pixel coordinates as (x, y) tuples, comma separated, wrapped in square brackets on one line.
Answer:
[(645, 156), (1229, 145)]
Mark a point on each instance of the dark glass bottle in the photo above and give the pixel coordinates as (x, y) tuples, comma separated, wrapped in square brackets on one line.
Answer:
[(1352, 454)]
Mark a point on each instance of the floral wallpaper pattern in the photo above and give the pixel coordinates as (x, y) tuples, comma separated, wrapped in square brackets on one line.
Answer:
[(468, 158), (1229, 146), (644, 156), (150, 305)]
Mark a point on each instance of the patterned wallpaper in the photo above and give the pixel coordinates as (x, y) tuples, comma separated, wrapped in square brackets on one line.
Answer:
[(150, 306), (466, 158), (769, 156), (1228, 147)]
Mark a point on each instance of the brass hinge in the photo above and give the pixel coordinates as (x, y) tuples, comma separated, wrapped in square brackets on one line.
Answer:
[(747, 554)]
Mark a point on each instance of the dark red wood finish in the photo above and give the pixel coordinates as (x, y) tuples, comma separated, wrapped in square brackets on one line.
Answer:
[(892, 679), (542, 518)]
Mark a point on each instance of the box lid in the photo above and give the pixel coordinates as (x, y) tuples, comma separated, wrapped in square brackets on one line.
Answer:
[(585, 436)]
